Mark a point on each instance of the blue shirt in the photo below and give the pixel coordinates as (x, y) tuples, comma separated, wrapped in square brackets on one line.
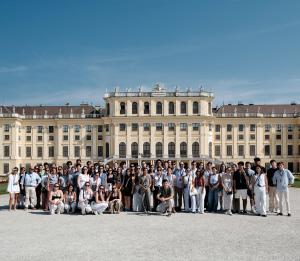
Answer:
[(31, 179), (282, 179)]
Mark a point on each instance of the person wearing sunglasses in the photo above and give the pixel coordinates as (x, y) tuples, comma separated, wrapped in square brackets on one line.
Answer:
[(85, 199), (70, 199), (56, 204), (13, 188), (101, 201)]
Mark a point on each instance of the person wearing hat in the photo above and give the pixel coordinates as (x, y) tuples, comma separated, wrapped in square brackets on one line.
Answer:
[(282, 178), (240, 186), (165, 196), (30, 181)]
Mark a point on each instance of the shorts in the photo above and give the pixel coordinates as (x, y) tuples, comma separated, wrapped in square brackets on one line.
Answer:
[(241, 193)]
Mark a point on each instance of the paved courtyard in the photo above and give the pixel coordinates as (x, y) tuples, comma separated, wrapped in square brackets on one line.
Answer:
[(36, 235)]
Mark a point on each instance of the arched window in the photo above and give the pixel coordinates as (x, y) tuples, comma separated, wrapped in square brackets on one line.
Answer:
[(171, 150), (134, 108), (107, 109), (158, 108), (146, 108), (183, 107), (122, 108), (195, 150), (195, 107), (183, 149), (171, 108), (146, 150), (134, 150), (106, 149), (159, 149), (122, 150)]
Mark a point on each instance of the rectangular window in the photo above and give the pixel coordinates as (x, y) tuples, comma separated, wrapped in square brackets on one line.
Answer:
[(88, 151), (100, 137), (217, 128), (28, 138), (39, 152), (229, 137), (122, 126), (6, 168), (51, 151), (290, 137), (267, 127), (171, 126), (146, 126), (229, 150), (100, 151), (51, 138), (159, 126), (77, 128), (20, 151), (290, 150), (278, 136), (241, 127), (65, 137), (88, 137), (6, 137), (229, 127), (252, 136), (134, 127), (252, 127), (278, 150), (290, 128), (100, 128), (51, 129), (278, 127), (267, 137), (28, 152), (88, 128), (195, 126), (39, 138), (77, 137), (291, 166), (39, 129), (267, 150), (217, 150), (241, 150), (209, 127), (252, 150), (77, 151), (183, 126), (6, 127), (241, 137), (28, 129), (6, 151), (107, 127), (217, 137), (65, 128), (65, 151)]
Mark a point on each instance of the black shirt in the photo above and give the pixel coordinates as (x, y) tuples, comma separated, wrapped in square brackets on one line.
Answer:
[(270, 175), (240, 180)]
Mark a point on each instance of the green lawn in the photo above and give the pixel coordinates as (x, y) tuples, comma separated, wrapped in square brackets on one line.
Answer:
[(297, 182), (3, 187)]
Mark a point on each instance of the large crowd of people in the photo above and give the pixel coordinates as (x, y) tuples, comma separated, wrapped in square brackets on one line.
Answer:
[(96, 188)]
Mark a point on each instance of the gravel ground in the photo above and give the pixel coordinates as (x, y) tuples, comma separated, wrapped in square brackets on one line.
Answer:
[(35, 235)]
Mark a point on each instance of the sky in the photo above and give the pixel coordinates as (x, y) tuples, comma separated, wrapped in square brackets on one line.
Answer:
[(59, 51)]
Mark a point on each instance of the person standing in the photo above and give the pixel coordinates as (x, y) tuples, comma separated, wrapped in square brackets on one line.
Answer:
[(13, 188), (145, 185), (227, 190), (240, 186), (213, 182), (178, 186), (157, 184), (260, 185), (30, 181), (207, 172), (273, 197), (282, 178), (250, 174), (200, 187), (22, 189)]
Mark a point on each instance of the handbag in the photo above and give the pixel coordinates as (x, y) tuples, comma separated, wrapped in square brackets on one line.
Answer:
[(194, 192)]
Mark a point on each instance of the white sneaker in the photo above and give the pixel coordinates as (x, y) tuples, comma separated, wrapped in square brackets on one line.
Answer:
[(83, 211), (96, 213)]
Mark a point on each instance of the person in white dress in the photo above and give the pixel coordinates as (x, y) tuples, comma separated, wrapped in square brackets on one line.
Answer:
[(13, 188)]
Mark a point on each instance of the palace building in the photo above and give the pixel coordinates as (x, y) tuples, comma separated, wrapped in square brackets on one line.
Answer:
[(147, 125)]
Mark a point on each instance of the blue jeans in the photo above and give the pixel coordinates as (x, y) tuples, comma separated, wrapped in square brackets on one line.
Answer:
[(213, 200)]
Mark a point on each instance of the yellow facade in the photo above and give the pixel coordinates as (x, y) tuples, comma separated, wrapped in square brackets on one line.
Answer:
[(136, 126)]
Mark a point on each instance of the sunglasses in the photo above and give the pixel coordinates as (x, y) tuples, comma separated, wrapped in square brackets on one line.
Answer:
[(56, 186)]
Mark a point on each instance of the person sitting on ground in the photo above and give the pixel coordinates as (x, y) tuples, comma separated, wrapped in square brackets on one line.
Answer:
[(85, 198), (101, 201), (166, 198), (56, 200), (70, 199)]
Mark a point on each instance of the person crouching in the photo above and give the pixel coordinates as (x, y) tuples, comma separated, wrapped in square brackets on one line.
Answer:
[(85, 198), (56, 204), (166, 198)]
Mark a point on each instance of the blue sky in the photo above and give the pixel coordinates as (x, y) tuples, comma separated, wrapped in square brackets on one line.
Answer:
[(53, 52)]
